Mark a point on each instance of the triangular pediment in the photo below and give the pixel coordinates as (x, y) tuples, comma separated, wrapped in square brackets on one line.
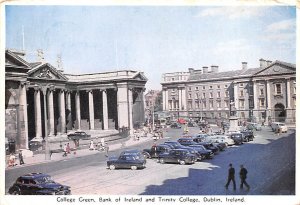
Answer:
[(46, 71), (277, 68), (13, 60), (140, 76)]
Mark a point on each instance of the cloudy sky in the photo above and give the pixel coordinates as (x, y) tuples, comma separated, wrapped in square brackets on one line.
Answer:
[(153, 39)]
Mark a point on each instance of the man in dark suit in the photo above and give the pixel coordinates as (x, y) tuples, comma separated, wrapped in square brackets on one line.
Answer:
[(243, 176), (231, 173)]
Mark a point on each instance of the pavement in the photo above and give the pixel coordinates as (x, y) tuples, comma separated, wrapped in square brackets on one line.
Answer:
[(83, 151)]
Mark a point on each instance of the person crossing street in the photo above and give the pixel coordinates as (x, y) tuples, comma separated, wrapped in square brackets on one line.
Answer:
[(243, 176)]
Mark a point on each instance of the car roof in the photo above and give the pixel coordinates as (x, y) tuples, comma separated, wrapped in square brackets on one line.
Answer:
[(131, 151), (34, 175)]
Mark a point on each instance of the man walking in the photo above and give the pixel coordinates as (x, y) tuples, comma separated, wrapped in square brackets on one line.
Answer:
[(21, 157), (243, 176), (231, 173)]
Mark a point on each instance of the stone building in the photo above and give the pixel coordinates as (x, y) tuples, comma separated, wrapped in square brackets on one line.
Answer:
[(43, 100), (267, 92)]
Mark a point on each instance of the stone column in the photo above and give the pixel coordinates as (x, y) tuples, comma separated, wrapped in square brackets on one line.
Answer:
[(91, 110), (105, 109), (50, 111), (23, 103), (130, 110), (288, 94), (268, 95), (62, 111), (183, 97), (180, 98), (254, 95), (77, 106), (37, 113), (122, 98), (167, 100), (69, 112), (164, 99)]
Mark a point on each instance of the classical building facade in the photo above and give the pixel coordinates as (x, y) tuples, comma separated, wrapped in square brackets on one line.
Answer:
[(42, 100), (267, 92)]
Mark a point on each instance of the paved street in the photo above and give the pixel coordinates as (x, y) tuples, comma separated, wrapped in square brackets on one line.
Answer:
[(266, 161)]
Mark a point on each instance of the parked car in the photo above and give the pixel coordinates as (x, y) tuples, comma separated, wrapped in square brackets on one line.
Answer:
[(129, 159), (187, 141), (156, 150), (222, 138), (279, 125), (205, 153), (79, 135), (175, 125), (181, 156), (248, 135), (221, 145), (177, 145), (238, 138), (254, 126), (192, 124), (181, 121), (207, 145), (38, 184)]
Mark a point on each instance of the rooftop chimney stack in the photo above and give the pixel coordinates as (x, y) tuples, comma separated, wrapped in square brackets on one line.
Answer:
[(214, 68), (205, 69), (244, 65), (262, 63), (269, 62)]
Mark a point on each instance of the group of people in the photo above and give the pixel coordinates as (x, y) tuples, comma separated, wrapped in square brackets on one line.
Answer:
[(101, 146), (67, 150), (231, 177)]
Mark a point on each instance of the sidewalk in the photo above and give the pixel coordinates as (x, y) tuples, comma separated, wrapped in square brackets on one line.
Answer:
[(84, 151)]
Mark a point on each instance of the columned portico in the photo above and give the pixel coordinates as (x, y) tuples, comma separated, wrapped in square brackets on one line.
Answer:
[(77, 107), (105, 111), (68, 110), (51, 111), (24, 117), (62, 111), (91, 110)]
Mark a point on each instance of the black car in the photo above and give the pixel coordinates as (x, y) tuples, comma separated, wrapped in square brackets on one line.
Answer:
[(248, 134), (181, 156), (221, 145), (130, 159), (207, 145), (175, 125), (38, 184), (186, 141), (79, 135), (156, 150), (177, 145), (238, 138), (205, 153)]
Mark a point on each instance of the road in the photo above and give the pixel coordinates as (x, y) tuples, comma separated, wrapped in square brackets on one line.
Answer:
[(270, 160)]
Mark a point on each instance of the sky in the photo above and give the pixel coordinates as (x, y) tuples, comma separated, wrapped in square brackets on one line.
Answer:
[(153, 39)]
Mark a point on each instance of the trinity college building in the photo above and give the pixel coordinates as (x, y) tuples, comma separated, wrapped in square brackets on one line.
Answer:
[(41, 99), (262, 94)]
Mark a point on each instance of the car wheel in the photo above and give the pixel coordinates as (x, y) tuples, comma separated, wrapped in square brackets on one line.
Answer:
[(161, 160), (15, 192), (133, 167), (112, 167), (182, 162)]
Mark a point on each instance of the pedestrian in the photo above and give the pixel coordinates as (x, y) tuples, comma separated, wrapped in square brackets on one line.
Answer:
[(11, 160), (65, 151), (230, 178), (106, 149), (92, 145), (68, 149), (21, 158), (243, 176)]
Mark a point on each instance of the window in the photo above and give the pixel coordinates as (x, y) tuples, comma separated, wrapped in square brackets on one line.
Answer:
[(204, 104), (173, 90), (242, 103), (218, 86), (227, 94), (241, 93), (218, 104), (203, 94), (190, 88), (220, 115), (226, 103), (190, 96), (173, 79), (197, 88), (225, 86), (261, 91), (241, 84), (218, 94), (242, 114), (212, 115), (278, 89), (211, 95), (147, 103), (262, 102), (211, 104), (197, 96), (210, 87), (197, 104), (203, 87), (190, 105)]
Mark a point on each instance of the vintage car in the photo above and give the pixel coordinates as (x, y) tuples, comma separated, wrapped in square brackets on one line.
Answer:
[(248, 134), (177, 145), (181, 156), (129, 159), (156, 150), (205, 153), (207, 145), (78, 135), (38, 184), (175, 125), (238, 138), (254, 126)]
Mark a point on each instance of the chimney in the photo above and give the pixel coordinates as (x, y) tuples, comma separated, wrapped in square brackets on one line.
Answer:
[(262, 63), (214, 68), (191, 70), (205, 69), (244, 65), (269, 62)]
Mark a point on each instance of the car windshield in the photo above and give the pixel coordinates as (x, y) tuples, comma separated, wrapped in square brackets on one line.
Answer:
[(44, 180), (200, 147)]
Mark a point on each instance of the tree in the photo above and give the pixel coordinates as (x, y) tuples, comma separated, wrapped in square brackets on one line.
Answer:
[(158, 102)]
